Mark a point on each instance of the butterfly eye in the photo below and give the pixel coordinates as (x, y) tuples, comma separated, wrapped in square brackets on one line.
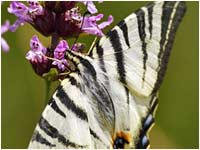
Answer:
[(119, 143)]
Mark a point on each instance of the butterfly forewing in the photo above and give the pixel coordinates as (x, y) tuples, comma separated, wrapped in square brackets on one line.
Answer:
[(113, 93), (142, 43)]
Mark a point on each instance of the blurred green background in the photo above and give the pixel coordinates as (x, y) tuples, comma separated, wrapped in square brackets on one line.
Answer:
[(23, 92)]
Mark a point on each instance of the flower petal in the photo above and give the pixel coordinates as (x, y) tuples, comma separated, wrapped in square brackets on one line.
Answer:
[(62, 46), (36, 45), (35, 8), (59, 52), (98, 17), (93, 30), (106, 23), (38, 51), (5, 26), (4, 45), (18, 22), (78, 47), (73, 15), (90, 6), (61, 65), (90, 26), (30, 55), (36, 57), (33, 4), (100, 1), (18, 9)]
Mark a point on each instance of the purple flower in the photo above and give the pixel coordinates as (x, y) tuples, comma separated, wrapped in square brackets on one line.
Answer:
[(37, 52), (59, 53), (24, 13), (4, 28), (90, 24), (61, 64), (78, 47), (58, 20), (35, 8), (73, 15), (38, 57), (21, 11), (60, 50), (36, 45)]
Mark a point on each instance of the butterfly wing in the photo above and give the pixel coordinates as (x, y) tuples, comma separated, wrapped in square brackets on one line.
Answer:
[(136, 52), (63, 119), (70, 118), (80, 113), (138, 48), (113, 94)]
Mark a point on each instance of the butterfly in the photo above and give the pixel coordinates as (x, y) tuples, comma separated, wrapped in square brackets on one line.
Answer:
[(109, 100)]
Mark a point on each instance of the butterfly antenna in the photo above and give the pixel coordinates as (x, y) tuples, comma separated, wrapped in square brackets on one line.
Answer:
[(92, 46)]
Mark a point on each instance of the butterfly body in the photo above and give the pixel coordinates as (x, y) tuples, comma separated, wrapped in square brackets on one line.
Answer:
[(109, 99)]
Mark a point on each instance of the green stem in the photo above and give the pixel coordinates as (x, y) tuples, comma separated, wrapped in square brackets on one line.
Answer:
[(48, 85)]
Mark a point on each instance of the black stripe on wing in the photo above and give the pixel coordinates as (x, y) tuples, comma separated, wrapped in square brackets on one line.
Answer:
[(165, 51), (150, 18), (53, 133), (69, 103), (55, 107), (40, 139), (73, 81), (116, 44), (96, 136), (100, 51), (141, 28), (123, 26), (166, 14)]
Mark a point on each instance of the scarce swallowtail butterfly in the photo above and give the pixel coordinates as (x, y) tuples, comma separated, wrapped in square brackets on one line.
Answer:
[(110, 98)]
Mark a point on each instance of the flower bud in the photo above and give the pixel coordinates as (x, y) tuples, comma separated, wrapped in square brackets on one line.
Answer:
[(44, 23), (40, 67), (67, 28)]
